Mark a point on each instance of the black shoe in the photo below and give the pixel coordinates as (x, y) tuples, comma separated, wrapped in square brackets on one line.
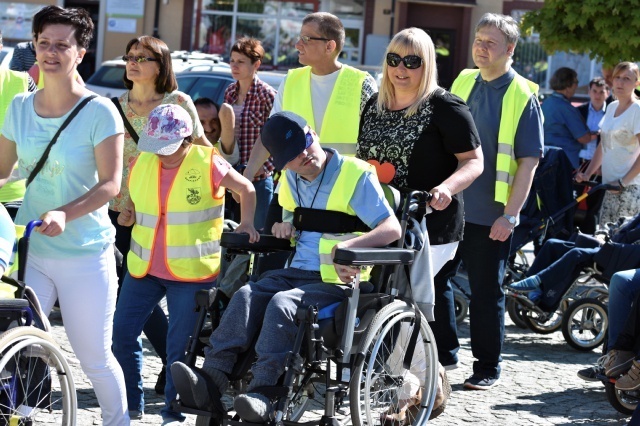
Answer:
[(162, 381), (199, 388), (591, 374), (478, 382)]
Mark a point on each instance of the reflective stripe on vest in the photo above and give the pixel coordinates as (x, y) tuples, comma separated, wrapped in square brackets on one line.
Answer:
[(341, 120), (513, 103), (341, 193), (15, 187), (194, 217)]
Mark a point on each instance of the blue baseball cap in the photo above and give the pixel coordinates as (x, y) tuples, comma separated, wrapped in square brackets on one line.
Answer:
[(284, 135)]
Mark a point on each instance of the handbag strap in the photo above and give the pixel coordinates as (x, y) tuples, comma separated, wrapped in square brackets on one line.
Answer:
[(45, 155), (128, 125)]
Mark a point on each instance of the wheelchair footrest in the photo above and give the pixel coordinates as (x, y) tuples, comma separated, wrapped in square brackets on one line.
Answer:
[(176, 405), (374, 256)]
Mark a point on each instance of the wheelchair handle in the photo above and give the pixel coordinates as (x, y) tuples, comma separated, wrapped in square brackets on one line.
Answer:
[(31, 226)]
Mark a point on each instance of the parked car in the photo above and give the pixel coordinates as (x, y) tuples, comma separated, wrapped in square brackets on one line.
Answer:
[(5, 56), (197, 81), (107, 80)]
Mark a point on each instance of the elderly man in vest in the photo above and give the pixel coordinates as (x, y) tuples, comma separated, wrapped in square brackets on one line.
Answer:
[(12, 83), (314, 178), (329, 95), (509, 120)]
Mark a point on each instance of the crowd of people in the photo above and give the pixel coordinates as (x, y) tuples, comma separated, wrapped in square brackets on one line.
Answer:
[(131, 194)]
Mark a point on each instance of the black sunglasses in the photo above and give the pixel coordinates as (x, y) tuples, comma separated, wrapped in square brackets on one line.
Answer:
[(138, 59), (410, 61)]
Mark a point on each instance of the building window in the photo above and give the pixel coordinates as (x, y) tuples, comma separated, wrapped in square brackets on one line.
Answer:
[(276, 24)]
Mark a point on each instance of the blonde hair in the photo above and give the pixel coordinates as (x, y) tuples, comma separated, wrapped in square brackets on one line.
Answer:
[(417, 42), (627, 66)]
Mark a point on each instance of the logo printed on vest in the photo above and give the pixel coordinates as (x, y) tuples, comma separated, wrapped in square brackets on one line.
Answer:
[(193, 175), (193, 195)]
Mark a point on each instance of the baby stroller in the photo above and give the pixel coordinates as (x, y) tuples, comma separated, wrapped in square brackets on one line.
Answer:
[(361, 356), (582, 296), (36, 383)]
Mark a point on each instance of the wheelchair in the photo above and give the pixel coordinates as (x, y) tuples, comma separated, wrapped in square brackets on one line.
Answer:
[(362, 356), (36, 383)]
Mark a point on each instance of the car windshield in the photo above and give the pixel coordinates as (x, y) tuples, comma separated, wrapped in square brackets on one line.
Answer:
[(108, 76)]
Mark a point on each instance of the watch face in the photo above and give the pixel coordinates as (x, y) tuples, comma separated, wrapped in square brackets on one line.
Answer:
[(511, 219)]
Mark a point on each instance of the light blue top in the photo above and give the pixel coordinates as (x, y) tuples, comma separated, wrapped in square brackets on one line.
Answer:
[(485, 104), (70, 171), (368, 201), (593, 123), (7, 238), (563, 125)]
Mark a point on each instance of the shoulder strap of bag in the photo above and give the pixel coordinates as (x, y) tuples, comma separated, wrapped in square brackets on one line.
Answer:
[(45, 155), (128, 125)]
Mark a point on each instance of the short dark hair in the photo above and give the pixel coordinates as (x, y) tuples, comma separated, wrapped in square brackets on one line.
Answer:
[(205, 102), (329, 26), (249, 47), (166, 78), (599, 82), (78, 18), (563, 78)]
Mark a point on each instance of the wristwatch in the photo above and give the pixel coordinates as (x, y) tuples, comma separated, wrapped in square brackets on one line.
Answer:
[(511, 219)]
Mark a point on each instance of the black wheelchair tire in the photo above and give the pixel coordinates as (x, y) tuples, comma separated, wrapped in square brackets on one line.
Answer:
[(617, 399), (516, 313), (461, 305)]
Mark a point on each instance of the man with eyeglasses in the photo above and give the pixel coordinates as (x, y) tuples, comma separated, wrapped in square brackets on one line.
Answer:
[(506, 111), (308, 91)]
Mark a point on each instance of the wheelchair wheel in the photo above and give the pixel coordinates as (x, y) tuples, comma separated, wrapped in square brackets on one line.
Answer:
[(461, 306), (37, 384), (624, 402), (379, 380), (585, 324), (516, 312)]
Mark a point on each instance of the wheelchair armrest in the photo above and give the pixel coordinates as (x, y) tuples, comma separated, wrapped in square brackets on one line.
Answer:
[(374, 256), (267, 243)]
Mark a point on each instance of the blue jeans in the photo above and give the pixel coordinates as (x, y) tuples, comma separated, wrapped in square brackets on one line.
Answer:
[(558, 264), (623, 290), (485, 260), (268, 308), (138, 298), (445, 329), (264, 193)]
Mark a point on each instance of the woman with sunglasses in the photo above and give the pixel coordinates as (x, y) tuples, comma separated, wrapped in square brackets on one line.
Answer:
[(71, 256), (423, 138), (150, 81)]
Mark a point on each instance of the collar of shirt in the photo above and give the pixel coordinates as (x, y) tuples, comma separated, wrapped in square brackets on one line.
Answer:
[(560, 96), (593, 110), (499, 82)]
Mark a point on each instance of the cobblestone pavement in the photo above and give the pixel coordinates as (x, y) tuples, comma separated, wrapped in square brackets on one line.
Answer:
[(539, 386)]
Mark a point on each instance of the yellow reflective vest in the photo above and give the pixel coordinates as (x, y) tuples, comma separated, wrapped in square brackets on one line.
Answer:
[(193, 219), (342, 117), (344, 187), (11, 84), (515, 100)]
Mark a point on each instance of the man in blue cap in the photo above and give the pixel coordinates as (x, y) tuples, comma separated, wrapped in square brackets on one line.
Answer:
[(267, 308)]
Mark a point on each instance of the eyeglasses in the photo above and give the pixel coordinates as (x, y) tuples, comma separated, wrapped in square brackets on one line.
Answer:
[(138, 59), (410, 61), (305, 39)]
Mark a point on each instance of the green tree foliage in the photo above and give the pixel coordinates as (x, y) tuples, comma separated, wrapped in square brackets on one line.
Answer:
[(607, 30)]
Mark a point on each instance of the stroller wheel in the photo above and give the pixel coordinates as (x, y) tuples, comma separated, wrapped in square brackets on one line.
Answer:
[(624, 402), (585, 324), (545, 322), (516, 312), (461, 305)]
